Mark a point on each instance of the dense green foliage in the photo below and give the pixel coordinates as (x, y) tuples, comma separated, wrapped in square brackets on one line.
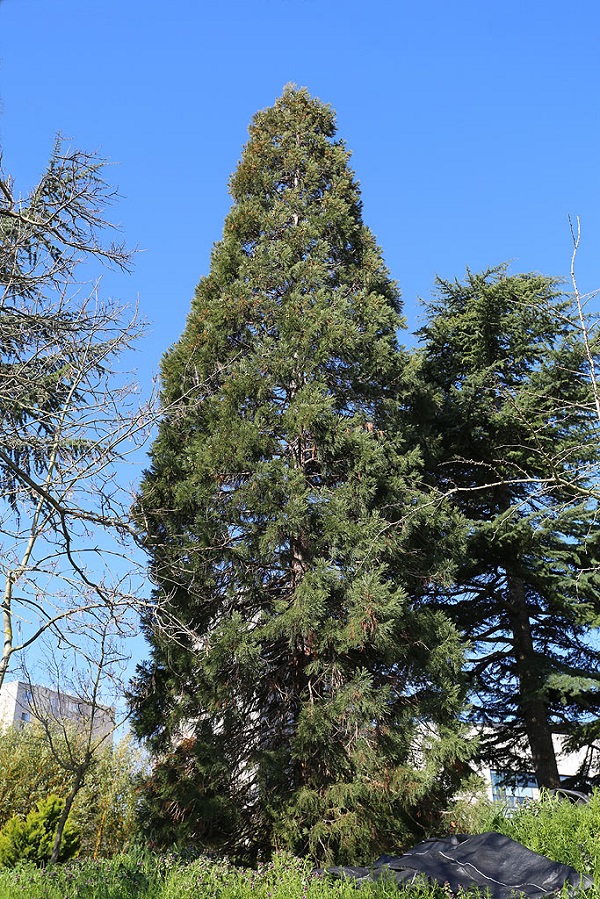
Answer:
[(105, 810), (28, 771), (105, 807), (32, 838), (308, 701), (513, 436)]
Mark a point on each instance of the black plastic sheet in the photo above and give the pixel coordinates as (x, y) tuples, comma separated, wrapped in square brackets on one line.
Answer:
[(489, 861)]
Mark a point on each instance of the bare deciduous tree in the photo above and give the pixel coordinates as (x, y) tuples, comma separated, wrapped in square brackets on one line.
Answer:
[(69, 419), (77, 714)]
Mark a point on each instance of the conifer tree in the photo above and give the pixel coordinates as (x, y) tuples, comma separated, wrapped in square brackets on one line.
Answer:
[(308, 701), (513, 436)]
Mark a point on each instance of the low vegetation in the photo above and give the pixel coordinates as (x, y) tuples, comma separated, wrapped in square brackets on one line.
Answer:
[(103, 814), (129, 877), (558, 829), (564, 832), (32, 838)]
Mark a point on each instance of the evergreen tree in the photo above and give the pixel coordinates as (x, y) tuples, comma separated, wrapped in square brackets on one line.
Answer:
[(308, 701), (512, 434)]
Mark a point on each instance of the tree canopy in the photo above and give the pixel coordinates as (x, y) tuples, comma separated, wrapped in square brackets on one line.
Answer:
[(513, 435), (307, 699)]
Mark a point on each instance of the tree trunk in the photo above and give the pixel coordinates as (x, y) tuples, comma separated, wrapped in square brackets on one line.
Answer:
[(77, 783), (533, 708), (7, 642), (301, 656)]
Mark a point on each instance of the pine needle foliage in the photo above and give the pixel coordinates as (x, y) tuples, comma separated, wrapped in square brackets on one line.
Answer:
[(32, 838), (287, 528), (513, 437)]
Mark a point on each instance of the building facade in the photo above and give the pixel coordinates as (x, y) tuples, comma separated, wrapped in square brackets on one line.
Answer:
[(511, 789), (22, 703)]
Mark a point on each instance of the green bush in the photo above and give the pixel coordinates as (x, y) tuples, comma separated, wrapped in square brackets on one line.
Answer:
[(28, 771), (32, 839), (565, 832)]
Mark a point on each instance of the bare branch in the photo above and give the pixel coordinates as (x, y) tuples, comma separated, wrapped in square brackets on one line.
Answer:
[(68, 419), (74, 714), (579, 301)]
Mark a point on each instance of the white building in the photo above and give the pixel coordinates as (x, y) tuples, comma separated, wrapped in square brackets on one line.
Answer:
[(21, 703), (512, 791)]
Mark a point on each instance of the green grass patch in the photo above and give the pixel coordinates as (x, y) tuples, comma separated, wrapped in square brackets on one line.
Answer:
[(558, 829), (164, 877)]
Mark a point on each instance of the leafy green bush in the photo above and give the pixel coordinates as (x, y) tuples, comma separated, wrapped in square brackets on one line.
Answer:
[(32, 838), (28, 771), (470, 811)]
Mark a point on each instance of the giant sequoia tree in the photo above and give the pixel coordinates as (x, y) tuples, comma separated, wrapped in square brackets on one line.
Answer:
[(514, 437), (303, 699)]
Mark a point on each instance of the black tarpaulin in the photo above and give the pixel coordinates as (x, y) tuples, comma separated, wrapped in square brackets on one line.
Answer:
[(489, 861)]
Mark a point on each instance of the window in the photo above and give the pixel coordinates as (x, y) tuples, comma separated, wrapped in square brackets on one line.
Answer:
[(513, 789)]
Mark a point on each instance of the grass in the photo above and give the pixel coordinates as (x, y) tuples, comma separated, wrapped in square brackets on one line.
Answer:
[(131, 877), (564, 832), (559, 829)]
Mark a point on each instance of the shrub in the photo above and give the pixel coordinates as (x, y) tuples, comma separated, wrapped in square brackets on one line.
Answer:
[(32, 838), (105, 808)]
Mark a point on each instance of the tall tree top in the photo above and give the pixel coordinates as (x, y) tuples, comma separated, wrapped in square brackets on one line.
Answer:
[(296, 265), (284, 132)]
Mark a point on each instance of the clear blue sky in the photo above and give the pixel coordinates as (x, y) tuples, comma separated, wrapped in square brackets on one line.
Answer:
[(474, 125)]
